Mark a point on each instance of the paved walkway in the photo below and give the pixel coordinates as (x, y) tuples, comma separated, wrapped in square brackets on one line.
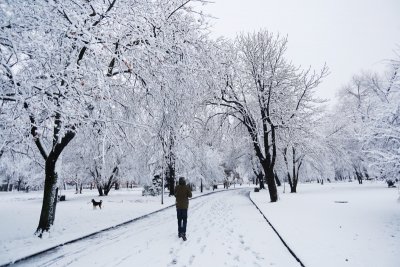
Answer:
[(224, 229)]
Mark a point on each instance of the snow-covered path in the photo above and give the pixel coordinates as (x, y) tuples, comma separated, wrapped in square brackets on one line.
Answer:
[(224, 229)]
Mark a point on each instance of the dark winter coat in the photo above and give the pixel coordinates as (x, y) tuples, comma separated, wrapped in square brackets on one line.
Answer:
[(182, 195)]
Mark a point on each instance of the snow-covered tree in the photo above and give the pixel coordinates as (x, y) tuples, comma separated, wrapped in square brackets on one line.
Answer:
[(265, 92), (59, 77), (369, 104)]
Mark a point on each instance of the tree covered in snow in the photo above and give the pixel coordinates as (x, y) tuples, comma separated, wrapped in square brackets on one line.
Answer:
[(99, 55), (369, 106), (266, 93)]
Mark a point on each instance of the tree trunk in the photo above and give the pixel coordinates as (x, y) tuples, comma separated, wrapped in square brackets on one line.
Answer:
[(273, 191), (278, 182), (100, 189), (55, 200), (171, 178), (8, 184), (201, 185), (261, 180), (49, 203), (359, 176), (293, 189), (293, 185), (80, 188), (19, 185), (107, 190), (107, 187), (47, 214)]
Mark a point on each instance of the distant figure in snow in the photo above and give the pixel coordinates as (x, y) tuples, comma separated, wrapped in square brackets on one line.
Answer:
[(182, 195)]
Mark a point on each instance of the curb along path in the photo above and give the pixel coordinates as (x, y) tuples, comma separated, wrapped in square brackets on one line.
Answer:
[(277, 233), (41, 252)]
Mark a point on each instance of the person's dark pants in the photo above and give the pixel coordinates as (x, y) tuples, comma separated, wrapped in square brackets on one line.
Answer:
[(182, 220)]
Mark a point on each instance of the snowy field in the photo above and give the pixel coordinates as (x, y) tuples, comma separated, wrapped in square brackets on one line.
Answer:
[(338, 224)]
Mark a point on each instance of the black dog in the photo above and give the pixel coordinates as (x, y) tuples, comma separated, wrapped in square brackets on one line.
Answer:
[(95, 203)]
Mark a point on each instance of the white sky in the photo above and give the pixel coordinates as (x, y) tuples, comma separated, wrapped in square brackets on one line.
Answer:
[(349, 35)]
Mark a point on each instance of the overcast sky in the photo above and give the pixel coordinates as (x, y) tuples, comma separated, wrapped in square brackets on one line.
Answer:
[(349, 35)]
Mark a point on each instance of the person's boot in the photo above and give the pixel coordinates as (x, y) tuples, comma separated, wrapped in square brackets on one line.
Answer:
[(180, 235), (184, 237)]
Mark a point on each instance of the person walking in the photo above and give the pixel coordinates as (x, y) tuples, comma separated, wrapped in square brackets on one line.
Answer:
[(182, 195)]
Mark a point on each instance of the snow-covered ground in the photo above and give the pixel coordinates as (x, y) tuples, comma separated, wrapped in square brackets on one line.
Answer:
[(338, 224), (74, 217)]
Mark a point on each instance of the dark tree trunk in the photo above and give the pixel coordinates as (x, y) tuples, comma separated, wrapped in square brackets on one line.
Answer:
[(47, 214), (107, 190), (359, 177), (8, 183), (273, 191), (293, 186), (201, 185), (53, 215), (261, 180), (96, 182), (104, 188), (80, 188), (19, 185), (111, 181), (170, 175), (100, 189), (278, 182), (293, 178), (289, 180), (49, 197), (267, 162)]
